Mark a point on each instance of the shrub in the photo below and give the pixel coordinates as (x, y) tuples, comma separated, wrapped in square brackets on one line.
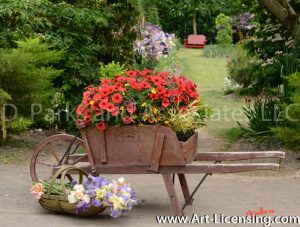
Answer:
[(241, 66), (26, 73), (19, 125), (290, 132), (89, 31), (224, 30), (243, 25), (4, 97), (111, 70)]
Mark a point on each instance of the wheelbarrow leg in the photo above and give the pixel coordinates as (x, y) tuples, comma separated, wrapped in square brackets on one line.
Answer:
[(185, 189), (172, 194)]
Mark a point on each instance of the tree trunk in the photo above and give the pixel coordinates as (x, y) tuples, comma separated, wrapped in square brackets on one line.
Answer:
[(195, 22), (284, 12)]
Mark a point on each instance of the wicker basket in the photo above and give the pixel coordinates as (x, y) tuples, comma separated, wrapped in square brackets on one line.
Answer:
[(60, 203)]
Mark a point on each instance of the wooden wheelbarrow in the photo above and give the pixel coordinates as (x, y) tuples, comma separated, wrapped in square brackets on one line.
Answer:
[(143, 150)]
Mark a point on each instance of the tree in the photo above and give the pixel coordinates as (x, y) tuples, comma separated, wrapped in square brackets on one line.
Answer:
[(284, 12), (184, 17)]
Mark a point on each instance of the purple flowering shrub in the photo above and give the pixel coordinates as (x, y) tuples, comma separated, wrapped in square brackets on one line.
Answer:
[(243, 23), (154, 45)]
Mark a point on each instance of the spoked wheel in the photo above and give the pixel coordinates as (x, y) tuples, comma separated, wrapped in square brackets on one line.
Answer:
[(55, 151)]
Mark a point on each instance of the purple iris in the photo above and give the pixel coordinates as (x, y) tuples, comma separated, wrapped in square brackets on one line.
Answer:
[(115, 213), (96, 202), (82, 207)]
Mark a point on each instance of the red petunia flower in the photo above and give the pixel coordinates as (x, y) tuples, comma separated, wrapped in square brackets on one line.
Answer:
[(86, 94), (110, 107), (117, 98), (98, 112), (127, 120), (136, 86), (103, 104), (104, 92), (131, 73), (121, 79), (115, 112), (165, 103), (161, 90), (145, 84), (131, 108), (101, 126), (80, 110), (154, 96)]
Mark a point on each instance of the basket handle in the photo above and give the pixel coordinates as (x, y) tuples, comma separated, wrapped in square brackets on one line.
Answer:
[(62, 171), (81, 173)]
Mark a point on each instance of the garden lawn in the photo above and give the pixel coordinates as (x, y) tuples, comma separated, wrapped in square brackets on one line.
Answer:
[(209, 75)]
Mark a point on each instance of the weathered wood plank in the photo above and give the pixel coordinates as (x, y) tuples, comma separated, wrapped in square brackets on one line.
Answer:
[(157, 151), (185, 188), (172, 194), (188, 169), (234, 156)]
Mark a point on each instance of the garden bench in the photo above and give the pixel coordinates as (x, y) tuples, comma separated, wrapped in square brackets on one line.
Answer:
[(195, 41)]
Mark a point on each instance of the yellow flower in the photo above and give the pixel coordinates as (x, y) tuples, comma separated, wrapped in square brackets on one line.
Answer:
[(100, 193), (153, 91), (144, 104), (155, 110), (92, 102), (134, 117), (117, 202), (150, 120), (122, 108), (127, 85), (125, 193), (145, 117)]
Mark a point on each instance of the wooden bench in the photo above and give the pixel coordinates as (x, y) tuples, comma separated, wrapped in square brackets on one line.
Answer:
[(195, 41)]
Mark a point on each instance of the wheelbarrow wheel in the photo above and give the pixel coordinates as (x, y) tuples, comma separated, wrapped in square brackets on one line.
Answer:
[(51, 153)]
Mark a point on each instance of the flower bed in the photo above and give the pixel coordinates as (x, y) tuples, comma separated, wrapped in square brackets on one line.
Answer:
[(137, 98)]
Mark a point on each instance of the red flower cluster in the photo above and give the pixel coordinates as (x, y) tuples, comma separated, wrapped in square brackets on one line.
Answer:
[(138, 97)]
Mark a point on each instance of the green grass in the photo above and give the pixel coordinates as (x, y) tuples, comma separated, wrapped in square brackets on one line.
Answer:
[(209, 75)]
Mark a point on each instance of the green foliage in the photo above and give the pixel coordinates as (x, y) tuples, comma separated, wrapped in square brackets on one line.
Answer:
[(176, 15), (290, 132), (214, 50), (262, 116), (233, 134), (187, 121), (241, 66), (19, 125), (289, 136), (89, 31), (4, 97), (112, 69), (26, 73), (169, 63), (224, 30), (150, 11)]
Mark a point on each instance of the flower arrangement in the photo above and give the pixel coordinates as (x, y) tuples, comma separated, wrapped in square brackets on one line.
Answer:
[(136, 98), (95, 191)]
